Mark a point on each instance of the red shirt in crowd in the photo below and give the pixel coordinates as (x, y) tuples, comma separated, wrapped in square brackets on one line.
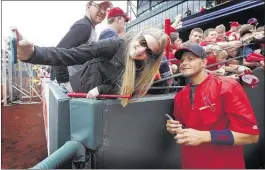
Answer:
[(220, 40), (212, 60), (228, 108), (172, 56), (204, 43), (228, 33)]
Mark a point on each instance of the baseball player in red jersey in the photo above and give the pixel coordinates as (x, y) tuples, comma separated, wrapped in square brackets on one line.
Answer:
[(214, 117)]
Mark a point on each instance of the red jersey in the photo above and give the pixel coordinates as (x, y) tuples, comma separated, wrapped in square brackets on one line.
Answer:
[(228, 108)]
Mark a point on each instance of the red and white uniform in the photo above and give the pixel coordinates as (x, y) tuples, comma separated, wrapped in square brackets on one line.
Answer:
[(219, 103)]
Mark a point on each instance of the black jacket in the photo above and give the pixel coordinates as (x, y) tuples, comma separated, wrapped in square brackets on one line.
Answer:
[(78, 34), (103, 63)]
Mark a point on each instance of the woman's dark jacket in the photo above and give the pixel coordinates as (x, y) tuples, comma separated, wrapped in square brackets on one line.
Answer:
[(103, 63)]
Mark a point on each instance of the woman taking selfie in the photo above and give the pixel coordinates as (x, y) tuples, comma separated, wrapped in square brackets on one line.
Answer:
[(120, 65)]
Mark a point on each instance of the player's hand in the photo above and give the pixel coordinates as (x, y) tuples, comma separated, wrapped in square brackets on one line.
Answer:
[(192, 137), (173, 126)]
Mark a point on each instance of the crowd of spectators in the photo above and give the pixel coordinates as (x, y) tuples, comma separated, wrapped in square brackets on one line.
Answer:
[(223, 47)]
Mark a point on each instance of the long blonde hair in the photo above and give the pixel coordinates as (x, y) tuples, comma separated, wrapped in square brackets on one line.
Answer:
[(141, 83)]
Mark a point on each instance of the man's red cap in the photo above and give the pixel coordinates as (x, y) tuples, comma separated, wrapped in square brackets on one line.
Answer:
[(234, 24), (116, 11)]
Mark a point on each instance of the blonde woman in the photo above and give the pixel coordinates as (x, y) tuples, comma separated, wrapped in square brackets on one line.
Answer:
[(120, 65)]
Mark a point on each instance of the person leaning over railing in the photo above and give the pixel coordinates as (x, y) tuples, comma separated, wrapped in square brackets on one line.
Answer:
[(215, 55), (255, 39), (232, 34), (119, 65), (259, 38)]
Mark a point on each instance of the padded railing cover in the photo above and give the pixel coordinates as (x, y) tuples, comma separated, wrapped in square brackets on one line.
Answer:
[(59, 117), (136, 136), (130, 137)]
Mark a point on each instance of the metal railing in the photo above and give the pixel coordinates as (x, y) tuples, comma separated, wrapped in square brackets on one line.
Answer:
[(18, 82)]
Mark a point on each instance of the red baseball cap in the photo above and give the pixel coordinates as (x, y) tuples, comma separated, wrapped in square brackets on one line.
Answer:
[(234, 24), (116, 11)]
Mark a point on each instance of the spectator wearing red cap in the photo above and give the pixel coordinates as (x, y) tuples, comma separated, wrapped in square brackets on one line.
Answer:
[(234, 27), (116, 23)]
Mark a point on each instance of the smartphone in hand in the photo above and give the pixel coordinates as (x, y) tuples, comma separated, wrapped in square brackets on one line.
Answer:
[(13, 46), (169, 117)]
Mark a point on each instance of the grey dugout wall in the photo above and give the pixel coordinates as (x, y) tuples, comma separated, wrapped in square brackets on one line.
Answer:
[(134, 136)]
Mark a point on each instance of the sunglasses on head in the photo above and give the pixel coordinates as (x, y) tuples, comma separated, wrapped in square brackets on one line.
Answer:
[(100, 6), (149, 52)]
